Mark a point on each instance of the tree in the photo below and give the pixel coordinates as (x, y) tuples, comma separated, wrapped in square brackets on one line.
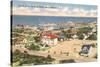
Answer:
[(37, 39), (80, 36), (24, 58), (34, 47), (84, 29), (92, 37), (15, 34), (18, 30)]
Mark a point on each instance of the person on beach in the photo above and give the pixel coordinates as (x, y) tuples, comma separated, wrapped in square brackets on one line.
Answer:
[(60, 52), (74, 49), (48, 51), (54, 52), (67, 53)]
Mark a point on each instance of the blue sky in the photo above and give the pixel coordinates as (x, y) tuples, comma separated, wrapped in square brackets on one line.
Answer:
[(70, 6), (63, 9)]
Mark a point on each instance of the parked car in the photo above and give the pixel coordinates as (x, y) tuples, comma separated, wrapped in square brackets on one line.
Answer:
[(85, 50)]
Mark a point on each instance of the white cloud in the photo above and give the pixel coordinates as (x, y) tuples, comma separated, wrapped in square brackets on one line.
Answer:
[(93, 11), (50, 11), (65, 9)]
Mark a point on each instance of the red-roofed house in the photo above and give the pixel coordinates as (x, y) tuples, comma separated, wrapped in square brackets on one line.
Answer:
[(49, 39)]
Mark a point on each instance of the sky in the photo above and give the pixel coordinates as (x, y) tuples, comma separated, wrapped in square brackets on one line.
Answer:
[(93, 2), (27, 7)]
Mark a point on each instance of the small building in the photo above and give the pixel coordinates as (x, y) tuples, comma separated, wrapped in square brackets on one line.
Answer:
[(62, 37), (75, 36), (49, 39), (94, 29)]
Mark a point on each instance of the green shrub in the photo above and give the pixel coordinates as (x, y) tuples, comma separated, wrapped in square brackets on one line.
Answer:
[(84, 29), (34, 47), (24, 58), (92, 37), (80, 36)]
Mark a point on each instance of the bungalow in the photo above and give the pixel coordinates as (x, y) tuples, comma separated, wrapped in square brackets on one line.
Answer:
[(49, 39), (62, 37), (75, 36)]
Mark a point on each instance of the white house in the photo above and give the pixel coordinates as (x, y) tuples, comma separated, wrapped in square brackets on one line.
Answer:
[(49, 39), (74, 36)]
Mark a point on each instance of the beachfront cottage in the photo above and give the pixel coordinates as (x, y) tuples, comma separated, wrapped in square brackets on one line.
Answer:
[(49, 39)]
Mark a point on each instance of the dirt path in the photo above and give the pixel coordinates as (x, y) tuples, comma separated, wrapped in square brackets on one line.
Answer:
[(69, 46), (63, 51)]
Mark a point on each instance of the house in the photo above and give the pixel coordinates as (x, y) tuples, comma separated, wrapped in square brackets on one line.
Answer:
[(94, 30), (19, 26), (49, 39), (85, 36), (75, 36), (62, 37)]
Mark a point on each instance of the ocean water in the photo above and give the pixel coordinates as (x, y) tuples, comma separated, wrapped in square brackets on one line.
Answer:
[(35, 20)]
